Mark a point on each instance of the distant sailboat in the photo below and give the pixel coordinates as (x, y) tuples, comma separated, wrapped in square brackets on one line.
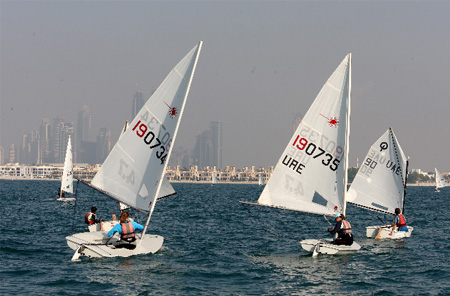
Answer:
[(380, 184), (440, 182), (260, 181), (213, 179), (67, 176), (311, 174), (134, 171)]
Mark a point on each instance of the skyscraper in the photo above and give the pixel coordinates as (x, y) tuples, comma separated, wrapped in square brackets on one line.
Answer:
[(103, 145), (138, 103), (208, 147), (84, 125), (44, 141), (60, 136)]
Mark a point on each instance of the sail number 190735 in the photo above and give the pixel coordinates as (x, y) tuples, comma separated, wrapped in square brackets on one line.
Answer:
[(152, 140), (315, 151)]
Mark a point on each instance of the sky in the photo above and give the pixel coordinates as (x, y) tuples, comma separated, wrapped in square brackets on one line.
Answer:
[(262, 62)]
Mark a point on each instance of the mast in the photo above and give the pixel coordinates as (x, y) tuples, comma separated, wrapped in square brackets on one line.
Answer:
[(347, 133), (152, 207), (404, 188)]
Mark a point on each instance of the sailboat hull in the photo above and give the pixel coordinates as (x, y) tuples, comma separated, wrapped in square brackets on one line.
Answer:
[(386, 232), (107, 226), (324, 246), (98, 244), (65, 199)]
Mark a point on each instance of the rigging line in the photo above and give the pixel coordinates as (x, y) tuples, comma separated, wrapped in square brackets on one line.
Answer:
[(75, 207), (328, 220), (384, 222), (266, 228)]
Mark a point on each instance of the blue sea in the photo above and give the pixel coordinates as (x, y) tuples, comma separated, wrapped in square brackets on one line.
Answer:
[(215, 246)]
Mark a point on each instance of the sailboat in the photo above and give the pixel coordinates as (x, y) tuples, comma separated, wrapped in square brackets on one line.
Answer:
[(166, 191), (213, 179), (260, 181), (440, 182), (311, 174), (380, 184), (134, 171), (67, 176)]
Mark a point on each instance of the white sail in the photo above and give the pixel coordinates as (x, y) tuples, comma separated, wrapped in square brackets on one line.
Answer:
[(379, 184), (214, 178), (440, 182), (166, 187), (260, 181), (67, 176), (133, 171), (311, 174)]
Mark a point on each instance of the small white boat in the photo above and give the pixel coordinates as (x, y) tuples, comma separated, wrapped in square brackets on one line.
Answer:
[(67, 176), (380, 184), (311, 174), (134, 171), (261, 180), (386, 232), (213, 179), (440, 182)]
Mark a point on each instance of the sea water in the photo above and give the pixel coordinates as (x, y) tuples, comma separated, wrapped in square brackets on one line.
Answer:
[(215, 246)]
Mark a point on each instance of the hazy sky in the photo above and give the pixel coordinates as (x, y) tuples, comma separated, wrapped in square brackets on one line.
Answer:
[(261, 63)]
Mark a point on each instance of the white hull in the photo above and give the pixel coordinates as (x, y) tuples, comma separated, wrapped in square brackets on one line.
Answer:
[(66, 199), (386, 232), (107, 226), (324, 246), (93, 245)]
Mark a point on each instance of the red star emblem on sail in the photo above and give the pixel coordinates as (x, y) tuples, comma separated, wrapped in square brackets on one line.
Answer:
[(332, 121), (173, 111)]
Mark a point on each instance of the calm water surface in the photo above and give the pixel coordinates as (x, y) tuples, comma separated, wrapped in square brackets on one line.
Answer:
[(215, 246)]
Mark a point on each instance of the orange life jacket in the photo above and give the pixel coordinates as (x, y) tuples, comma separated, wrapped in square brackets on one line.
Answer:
[(401, 221), (127, 232), (347, 227)]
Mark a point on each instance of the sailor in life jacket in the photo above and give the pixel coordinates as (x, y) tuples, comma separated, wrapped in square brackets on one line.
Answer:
[(91, 217), (343, 230), (399, 221), (126, 228)]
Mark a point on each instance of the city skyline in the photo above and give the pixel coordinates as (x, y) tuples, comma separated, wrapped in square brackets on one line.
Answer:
[(255, 73)]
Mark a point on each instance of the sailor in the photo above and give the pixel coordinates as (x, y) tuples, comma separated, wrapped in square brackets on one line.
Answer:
[(343, 230), (126, 228), (399, 221), (91, 217)]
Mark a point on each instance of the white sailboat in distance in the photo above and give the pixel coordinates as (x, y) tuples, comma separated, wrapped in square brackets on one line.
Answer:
[(440, 182), (67, 176), (134, 171), (380, 184), (311, 174)]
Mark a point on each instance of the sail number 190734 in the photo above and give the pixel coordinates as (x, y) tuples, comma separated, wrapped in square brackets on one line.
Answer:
[(152, 140)]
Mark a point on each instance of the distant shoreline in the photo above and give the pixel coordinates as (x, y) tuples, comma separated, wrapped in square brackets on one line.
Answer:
[(188, 182)]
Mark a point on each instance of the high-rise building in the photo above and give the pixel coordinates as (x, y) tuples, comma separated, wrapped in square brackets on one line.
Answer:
[(201, 154), (2, 156), (12, 153), (84, 125), (103, 145), (60, 135), (44, 141), (216, 143), (138, 103)]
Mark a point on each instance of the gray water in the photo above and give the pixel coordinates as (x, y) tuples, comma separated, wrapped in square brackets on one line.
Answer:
[(215, 246)]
